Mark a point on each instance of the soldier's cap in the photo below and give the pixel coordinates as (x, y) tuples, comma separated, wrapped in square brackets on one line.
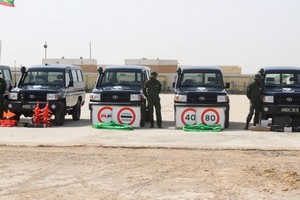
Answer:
[(256, 77), (153, 74)]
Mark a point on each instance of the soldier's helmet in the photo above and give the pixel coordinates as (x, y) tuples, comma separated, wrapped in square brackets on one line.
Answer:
[(256, 77), (153, 74)]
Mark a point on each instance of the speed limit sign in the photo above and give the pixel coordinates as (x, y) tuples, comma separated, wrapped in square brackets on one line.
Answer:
[(211, 116), (185, 115)]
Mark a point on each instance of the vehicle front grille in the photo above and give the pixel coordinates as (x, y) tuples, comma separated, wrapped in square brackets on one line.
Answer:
[(115, 97), (32, 97), (288, 99), (202, 98)]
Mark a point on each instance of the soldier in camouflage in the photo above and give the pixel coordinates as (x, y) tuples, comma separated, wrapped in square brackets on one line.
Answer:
[(254, 92), (152, 88), (2, 92)]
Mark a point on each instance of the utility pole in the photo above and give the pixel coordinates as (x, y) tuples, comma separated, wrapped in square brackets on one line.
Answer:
[(90, 50), (0, 50)]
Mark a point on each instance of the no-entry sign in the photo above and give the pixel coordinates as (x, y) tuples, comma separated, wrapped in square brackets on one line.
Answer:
[(122, 115), (126, 116)]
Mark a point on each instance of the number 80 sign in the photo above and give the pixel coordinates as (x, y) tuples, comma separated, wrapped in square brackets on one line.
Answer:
[(211, 116)]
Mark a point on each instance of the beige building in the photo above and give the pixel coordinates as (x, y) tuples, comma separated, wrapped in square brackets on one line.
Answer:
[(166, 70)]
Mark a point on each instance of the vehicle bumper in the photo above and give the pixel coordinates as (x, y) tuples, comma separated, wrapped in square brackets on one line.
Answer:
[(26, 108), (280, 110)]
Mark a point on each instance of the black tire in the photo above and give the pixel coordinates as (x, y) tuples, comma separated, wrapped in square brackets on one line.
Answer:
[(226, 125), (16, 117), (263, 117), (143, 116), (59, 117), (76, 112)]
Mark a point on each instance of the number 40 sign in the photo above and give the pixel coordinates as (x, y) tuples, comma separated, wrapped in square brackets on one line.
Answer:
[(199, 115)]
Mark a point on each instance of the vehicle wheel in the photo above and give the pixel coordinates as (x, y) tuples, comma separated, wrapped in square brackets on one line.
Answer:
[(263, 117), (16, 117), (59, 117), (226, 125), (91, 117), (76, 112)]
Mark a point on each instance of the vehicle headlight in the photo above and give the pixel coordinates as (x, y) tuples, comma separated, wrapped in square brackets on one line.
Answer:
[(222, 98), (95, 97), (180, 97), (13, 96), (268, 99), (135, 97), (52, 96)]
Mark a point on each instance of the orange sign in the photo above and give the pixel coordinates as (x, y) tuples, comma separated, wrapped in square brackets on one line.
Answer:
[(8, 115)]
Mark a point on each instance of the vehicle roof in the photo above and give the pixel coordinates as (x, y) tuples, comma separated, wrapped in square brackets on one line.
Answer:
[(141, 67), (54, 66), (4, 67), (192, 68), (280, 68)]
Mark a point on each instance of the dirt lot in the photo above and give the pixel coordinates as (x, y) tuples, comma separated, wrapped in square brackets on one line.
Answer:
[(127, 173)]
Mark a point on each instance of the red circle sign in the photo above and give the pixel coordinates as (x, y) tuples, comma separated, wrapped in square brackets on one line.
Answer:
[(192, 117), (130, 111), (105, 115), (210, 110)]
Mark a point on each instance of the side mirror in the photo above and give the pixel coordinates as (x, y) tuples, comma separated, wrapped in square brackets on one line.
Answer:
[(23, 69), (71, 83), (227, 85), (100, 70)]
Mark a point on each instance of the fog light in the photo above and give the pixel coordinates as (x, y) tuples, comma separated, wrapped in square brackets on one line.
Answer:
[(266, 109), (53, 106), (9, 105)]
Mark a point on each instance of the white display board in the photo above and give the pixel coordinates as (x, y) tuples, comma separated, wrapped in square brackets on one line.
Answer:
[(119, 114), (199, 115)]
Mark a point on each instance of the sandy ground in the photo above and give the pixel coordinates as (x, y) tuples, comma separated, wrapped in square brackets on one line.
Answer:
[(127, 173)]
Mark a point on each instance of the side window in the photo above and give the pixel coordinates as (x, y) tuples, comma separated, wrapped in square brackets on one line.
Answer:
[(74, 74), (68, 78), (79, 75)]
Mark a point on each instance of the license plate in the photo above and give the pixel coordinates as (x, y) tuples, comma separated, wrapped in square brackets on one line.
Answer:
[(289, 109), (28, 106)]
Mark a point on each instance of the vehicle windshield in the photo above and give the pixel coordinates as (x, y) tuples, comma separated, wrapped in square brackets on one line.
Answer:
[(6, 75), (55, 78), (282, 79), (201, 79), (125, 78)]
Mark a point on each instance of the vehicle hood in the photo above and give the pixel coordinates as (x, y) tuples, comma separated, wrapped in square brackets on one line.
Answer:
[(48, 88), (117, 89), (281, 90)]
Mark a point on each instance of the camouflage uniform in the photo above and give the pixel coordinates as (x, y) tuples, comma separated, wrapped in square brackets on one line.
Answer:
[(152, 88), (2, 92), (254, 92)]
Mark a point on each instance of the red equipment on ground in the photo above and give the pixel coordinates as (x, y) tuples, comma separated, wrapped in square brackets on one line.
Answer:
[(46, 115), (42, 116), (7, 121)]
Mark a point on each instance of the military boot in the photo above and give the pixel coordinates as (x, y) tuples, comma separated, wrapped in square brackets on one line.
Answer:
[(247, 125)]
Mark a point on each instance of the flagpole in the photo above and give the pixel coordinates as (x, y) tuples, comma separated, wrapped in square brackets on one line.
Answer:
[(0, 50), (90, 50)]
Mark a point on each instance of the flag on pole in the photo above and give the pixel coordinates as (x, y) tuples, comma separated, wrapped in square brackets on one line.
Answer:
[(9, 3)]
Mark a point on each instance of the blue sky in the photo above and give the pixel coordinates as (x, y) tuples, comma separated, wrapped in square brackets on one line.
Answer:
[(247, 33)]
